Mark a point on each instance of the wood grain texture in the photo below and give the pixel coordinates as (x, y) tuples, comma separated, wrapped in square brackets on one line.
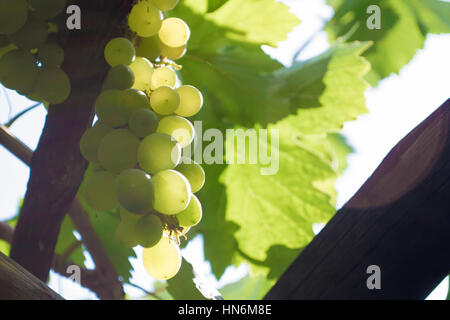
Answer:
[(57, 167), (16, 283), (398, 220)]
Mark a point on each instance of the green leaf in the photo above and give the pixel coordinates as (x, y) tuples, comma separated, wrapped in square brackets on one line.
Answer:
[(187, 285), (225, 60), (248, 288), (213, 5), (5, 246), (66, 240), (404, 26), (326, 91), (252, 213), (278, 209), (105, 225)]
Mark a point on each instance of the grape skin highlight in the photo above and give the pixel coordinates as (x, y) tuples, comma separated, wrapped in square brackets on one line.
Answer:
[(193, 172), (158, 152), (163, 260), (164, 100), (177, 127), (192, 215), (143, 71), (119, 51), (174, 32), (172, 192), (191, 101), (163, 76), (145, 19)]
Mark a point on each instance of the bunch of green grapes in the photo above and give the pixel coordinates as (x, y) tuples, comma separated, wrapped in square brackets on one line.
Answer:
[(29, 62), (136, 144)]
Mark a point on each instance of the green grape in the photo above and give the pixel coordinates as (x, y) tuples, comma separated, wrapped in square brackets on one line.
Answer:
[(149, 230), (100, 192), (117, 150), (163, 76), (135, 191), (149, 48), (172, 192), (47, 9), (174, 32), (134, 100), (157, 152), (143, 122), (145, 19), (119, 77), (4, 40), (18, 70), (13, 15), (5, 50), (33, 34), (173, 53), (128, 216), (126, 235), (51, 54), (164, 100), (119, 51), (110, 108), (125, 232), (52, 84), (90, 141), (191, 101), (192, 215), (193, 172), (143, 71), (162, 261), (179, 128), (164, 5)]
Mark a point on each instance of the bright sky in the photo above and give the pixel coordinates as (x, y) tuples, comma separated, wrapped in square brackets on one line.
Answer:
[(397, 105)]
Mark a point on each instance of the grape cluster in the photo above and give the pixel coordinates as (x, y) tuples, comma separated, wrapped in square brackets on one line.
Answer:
[(29, 61), (136, 144)]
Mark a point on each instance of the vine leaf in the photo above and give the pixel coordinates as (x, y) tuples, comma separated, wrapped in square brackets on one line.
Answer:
[(404, 27), (188, 285)]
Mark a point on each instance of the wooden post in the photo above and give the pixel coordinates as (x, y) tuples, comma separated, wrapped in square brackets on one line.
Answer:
[(399, 221), (16, 283)]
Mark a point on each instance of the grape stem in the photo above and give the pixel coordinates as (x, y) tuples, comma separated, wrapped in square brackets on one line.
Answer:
[(17, 116)]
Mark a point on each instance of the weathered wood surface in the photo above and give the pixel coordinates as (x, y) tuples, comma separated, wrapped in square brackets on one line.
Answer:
[(399, 220), (16, 283)]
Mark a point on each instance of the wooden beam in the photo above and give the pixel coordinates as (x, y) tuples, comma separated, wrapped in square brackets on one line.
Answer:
[(16, 283), (399, 220)]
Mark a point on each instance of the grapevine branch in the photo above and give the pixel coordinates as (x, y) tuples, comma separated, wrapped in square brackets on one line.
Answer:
[(106, 285), (6, 232), (57, 166), (398, 220)]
